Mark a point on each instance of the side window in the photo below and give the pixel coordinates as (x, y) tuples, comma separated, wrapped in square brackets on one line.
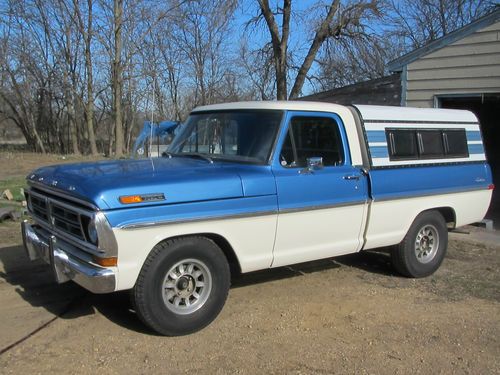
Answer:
[(312, 137), (411, 144)]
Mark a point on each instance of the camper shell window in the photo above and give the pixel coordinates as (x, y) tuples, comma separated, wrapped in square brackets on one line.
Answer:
[(421, 144)]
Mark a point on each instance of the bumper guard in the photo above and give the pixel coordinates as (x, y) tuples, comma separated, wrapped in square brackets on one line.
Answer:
[(64, 265)]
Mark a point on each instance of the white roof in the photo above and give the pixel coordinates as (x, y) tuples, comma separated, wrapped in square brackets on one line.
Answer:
[(292, 105), (387, 113), (368, 112)]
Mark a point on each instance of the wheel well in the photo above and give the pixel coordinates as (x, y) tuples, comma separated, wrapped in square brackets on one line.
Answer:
[(224, 245), (448, 215), (234, 264)]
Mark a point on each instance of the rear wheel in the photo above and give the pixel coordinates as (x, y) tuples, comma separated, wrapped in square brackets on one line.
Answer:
[(423, 249), (182, 286)]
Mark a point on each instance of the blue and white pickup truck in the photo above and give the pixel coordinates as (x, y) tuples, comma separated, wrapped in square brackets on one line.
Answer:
[(256, 185)]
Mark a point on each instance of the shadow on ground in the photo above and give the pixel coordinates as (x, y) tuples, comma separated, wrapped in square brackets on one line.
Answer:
[(34, 282)]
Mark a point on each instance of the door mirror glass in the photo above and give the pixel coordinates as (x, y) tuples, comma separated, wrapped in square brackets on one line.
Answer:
[(315, 163)]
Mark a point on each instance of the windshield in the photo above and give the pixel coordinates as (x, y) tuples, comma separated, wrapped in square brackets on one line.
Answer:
[(243, 135)]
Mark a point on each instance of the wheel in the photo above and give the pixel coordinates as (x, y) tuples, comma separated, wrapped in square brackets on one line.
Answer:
[(423, 249), (182, 286)]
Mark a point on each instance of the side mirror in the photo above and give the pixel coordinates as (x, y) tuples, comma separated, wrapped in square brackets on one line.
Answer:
[(313, 164)]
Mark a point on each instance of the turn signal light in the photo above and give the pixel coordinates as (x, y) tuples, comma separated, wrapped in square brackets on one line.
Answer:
[(127, 199), (491, 186), (106, 262)]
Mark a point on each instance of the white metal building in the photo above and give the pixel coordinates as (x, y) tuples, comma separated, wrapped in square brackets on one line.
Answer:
[(460, 70)]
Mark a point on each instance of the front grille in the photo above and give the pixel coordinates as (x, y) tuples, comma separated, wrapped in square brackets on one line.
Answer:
[(58, 215), (67, 221), (39, 207)]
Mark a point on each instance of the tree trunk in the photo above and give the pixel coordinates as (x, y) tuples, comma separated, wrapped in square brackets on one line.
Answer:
[(319, 38), (89, 108), (69, 96), (117, 78), (280, 44)]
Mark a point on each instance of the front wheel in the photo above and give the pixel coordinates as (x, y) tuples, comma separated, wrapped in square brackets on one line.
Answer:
[(423, 249), (182, 286)]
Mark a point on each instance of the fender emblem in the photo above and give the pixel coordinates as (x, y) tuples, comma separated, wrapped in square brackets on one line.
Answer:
[(155, 197)]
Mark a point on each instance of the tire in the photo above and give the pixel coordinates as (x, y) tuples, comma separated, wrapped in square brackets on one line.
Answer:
[(182, 286), (423, 249)]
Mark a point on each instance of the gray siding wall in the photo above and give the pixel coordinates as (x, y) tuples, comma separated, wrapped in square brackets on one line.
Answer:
[(468, 66)]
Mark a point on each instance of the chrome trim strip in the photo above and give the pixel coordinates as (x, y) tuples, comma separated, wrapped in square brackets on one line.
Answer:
[(274, 147), (322, 207), (239, 216), (106, 243), (372, 121), (197, 219), (410, 196)]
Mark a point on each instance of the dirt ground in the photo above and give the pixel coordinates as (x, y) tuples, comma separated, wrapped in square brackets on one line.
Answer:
[(15, 164), (350, 314)]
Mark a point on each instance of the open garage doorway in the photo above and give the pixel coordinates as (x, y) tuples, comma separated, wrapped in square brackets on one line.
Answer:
[(487, 108)]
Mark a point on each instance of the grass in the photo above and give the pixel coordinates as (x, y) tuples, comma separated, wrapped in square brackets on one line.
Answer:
[(14, 184)]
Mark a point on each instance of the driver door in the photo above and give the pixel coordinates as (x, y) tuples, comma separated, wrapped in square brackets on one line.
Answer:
[(321, 209)]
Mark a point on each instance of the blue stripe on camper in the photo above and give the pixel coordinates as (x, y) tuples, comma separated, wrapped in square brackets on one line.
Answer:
[(473, 136), (379, 152), (376, 136), (476, 149)]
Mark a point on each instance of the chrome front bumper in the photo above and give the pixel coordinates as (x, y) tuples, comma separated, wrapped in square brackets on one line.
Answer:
[(65, 265)]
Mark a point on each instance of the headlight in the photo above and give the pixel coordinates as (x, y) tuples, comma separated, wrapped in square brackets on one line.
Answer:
[(92, 232)]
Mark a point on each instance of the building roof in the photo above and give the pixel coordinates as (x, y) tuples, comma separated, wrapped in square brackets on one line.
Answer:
[(398, 64), (379, 91)]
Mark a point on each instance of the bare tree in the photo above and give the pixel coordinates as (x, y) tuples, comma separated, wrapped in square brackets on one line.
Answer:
[(203, 26), (330, 25), (350, 60), (67, 44), (258, 70), (86, 29), (422, 21)]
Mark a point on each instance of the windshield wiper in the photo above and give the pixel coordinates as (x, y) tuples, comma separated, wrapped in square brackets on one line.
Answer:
[(194, 155)]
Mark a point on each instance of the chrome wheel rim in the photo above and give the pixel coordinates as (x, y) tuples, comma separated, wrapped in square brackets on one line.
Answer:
[(186, 286), (426, 243)]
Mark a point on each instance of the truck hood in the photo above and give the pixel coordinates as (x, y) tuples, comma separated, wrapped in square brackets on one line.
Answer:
[(178, 179)]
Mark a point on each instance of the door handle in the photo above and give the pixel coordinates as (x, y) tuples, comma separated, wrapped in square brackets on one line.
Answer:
[(352, 177)]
